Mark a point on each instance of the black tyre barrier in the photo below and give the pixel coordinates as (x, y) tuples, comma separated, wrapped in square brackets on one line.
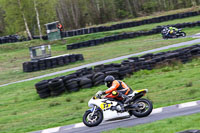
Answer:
[(17, 38), (43, 89), (156, 30), (129, 24), (52, 62), (89, 77)]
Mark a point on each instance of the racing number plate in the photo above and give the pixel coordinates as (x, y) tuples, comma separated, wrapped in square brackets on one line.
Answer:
[(105, 105)]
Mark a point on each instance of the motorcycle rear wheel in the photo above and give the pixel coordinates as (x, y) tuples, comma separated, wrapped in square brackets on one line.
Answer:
[(183, 34), (94, 120), (145, 108)]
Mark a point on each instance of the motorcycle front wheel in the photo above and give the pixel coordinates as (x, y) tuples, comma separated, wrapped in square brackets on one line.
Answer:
[(145, 107), (94, 120)]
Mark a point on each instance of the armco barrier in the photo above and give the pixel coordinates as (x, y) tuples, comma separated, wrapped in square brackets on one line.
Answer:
[(128, 24), (51, 62), (128, 35), (88, 77)]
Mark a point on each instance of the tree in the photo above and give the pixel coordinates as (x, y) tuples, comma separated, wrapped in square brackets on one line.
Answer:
[(25, 21), (2, 24), (38, 19)]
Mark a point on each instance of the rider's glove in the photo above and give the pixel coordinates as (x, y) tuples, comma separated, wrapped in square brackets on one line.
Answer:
[(102, 93)]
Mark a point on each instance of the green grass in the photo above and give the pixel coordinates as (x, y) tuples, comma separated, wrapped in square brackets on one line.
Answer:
[(13, 55), (171, 125), (146, 27), (11, 60), (21, 109)]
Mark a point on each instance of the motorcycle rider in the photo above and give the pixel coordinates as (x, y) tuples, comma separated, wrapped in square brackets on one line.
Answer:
[(117, 90), (172, 30)]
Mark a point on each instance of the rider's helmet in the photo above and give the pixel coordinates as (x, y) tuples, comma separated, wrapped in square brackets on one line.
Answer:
[(109, 80)]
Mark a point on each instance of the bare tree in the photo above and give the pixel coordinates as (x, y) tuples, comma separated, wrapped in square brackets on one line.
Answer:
[(38, 19), (25, 21)]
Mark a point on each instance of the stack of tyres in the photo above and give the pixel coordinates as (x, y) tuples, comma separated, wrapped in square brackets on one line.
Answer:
[(72, 58), (72, 85), (114, 73), (89, 77), (27, 67), (35, 65), (98, 78), (56, 86), (43, 89), (60, 61), (52, 62), (42, 64), (48, 63), (85, 83), (66, 59)]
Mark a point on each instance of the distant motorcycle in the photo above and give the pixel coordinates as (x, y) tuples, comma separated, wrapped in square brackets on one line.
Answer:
[(176, 34), (109, 109)]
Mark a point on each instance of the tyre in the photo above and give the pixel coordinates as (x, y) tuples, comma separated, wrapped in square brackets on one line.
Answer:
[(56, 88), (86, 86), (183, 34), (100, 82), (102, 77), (44, 95), (58, 92), (69, 77), (44, 90), (85, 81), (94, 120), (71, 86), (55, 82), (97, 75), (41, 86), (145, 107), (74, 89)]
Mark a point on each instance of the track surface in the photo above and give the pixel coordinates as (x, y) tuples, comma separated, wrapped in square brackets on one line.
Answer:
[(157, 114), (109, 60)]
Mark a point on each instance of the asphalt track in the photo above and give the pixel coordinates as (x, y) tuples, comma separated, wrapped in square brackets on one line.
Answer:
[(109, 60), (157, 114)]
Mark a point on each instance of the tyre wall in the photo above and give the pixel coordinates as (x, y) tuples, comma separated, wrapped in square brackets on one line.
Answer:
[(89, 77), (52, 62), (129, 24), (156, 30), (15, 38)]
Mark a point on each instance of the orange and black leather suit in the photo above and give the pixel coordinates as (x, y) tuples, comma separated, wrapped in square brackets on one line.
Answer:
[(118, 89), (59, 26)]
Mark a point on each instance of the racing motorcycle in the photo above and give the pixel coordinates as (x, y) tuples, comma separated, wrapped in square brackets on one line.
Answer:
[(103, 108), (176, 34)]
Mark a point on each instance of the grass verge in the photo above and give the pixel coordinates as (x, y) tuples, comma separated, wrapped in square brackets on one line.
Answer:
[(21, 109), (11, 60)]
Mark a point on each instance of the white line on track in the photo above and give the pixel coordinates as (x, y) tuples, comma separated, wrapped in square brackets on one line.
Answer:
[(108, 61), (51, 130), (189, 104), (158, 110)]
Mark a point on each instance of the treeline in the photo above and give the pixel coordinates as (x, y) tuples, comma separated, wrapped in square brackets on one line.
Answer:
[(75, 14)]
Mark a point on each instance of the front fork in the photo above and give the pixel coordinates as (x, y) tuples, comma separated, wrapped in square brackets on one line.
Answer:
[(93, 110)]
